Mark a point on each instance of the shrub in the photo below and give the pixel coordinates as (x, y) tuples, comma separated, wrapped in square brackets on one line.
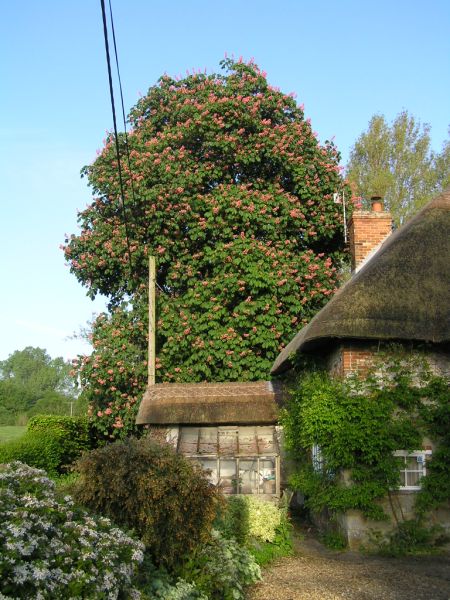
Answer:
[(263, 527), (51, 549), (410, 537), (50, 443), (264, 518), (74, 432), (222, 569), (146, 486), (37, 449), (157, 584), (233, 519)]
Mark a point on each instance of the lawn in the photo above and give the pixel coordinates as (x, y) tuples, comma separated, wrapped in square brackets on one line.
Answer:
[(10, 432)]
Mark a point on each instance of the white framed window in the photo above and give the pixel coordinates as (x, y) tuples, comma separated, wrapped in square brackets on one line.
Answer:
[(413, 466), (317, 459)]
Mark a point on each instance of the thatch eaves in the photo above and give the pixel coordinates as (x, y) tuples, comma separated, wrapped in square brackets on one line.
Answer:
[(235, 403), (401, 293)]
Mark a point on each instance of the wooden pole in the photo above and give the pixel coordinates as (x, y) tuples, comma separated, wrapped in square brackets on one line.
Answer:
[(151, 319)]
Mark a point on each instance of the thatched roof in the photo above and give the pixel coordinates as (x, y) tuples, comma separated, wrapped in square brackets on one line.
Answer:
[(401, 293), (249, 403)]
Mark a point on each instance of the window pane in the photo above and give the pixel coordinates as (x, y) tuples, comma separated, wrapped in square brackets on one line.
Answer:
[(268, 475), (413, 478), (210, 465), (208, 440), (248, 476), (402, 478), (266, 440), (227, 442), (411, 463), (247, 441), (188, 440), (227, 479)]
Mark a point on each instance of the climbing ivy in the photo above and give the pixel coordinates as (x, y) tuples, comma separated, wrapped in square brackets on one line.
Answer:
[(358, 424)]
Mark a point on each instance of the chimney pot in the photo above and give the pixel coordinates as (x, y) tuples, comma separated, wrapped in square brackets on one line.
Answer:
[(377, 203)]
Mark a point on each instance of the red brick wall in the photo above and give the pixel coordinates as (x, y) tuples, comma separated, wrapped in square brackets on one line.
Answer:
[(351, 358), (366, 231), (356, 360)]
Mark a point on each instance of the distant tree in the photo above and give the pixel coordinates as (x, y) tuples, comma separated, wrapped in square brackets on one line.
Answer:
[(30, 379), (396, 162)]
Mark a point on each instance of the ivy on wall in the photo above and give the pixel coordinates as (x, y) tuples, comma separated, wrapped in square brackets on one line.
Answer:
[(358, 424)]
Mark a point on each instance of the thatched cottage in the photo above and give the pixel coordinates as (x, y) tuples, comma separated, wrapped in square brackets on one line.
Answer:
[(399, 292)]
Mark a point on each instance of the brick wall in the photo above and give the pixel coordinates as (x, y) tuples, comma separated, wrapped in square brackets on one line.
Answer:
[(367, 229), (356, 359)]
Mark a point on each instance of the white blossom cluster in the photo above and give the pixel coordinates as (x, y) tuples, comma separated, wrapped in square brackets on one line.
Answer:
[(51, 549)]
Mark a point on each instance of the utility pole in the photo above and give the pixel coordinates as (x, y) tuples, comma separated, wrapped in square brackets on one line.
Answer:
[(151, 319)]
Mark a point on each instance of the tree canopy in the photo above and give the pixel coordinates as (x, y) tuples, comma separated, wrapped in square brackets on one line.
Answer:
[(396, 161), (32, 382), (229, 187)]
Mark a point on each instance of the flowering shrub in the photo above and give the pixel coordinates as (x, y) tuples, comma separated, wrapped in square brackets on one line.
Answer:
[(222, 569), (51, 549), (229, 187)]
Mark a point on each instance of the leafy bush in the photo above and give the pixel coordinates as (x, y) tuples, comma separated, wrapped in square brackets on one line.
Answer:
[(264, 518), (233, 519), (221, 569), (50, 443), (263, 527), (146, 486), (74, 432), (410, 537), (51, 549), (334, 540), (156, 583), (37, 449)]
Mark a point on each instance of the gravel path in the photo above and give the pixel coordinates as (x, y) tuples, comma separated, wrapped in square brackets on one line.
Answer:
[(315, 573)]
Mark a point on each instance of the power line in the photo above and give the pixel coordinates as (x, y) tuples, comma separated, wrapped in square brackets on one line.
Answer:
[(113, 108), (127, 148)]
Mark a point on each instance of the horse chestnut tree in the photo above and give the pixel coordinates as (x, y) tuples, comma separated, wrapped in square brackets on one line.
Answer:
[(227, 184)]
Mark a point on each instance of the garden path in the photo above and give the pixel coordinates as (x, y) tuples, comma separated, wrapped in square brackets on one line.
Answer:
[(315, 573)]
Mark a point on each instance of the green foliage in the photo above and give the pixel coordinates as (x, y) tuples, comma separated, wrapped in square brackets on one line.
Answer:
[(221, 569), (261, 526), (410, 537), (396, 162), (281, 544), (234, 195), (31, 382), (334, 540), (436, 413), (73, 433), (146, 486), (51, 443), (358, 425), (49, 548), (264, 518), (36, 449), (233, 519), (155, 583)]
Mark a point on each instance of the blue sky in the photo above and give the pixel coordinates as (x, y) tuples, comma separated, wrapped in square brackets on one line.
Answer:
[(345, 60)]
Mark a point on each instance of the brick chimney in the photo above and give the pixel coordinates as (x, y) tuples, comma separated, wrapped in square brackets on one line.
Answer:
[(367, 230)]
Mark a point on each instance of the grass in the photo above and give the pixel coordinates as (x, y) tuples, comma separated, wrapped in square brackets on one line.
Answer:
[(11, 432)]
